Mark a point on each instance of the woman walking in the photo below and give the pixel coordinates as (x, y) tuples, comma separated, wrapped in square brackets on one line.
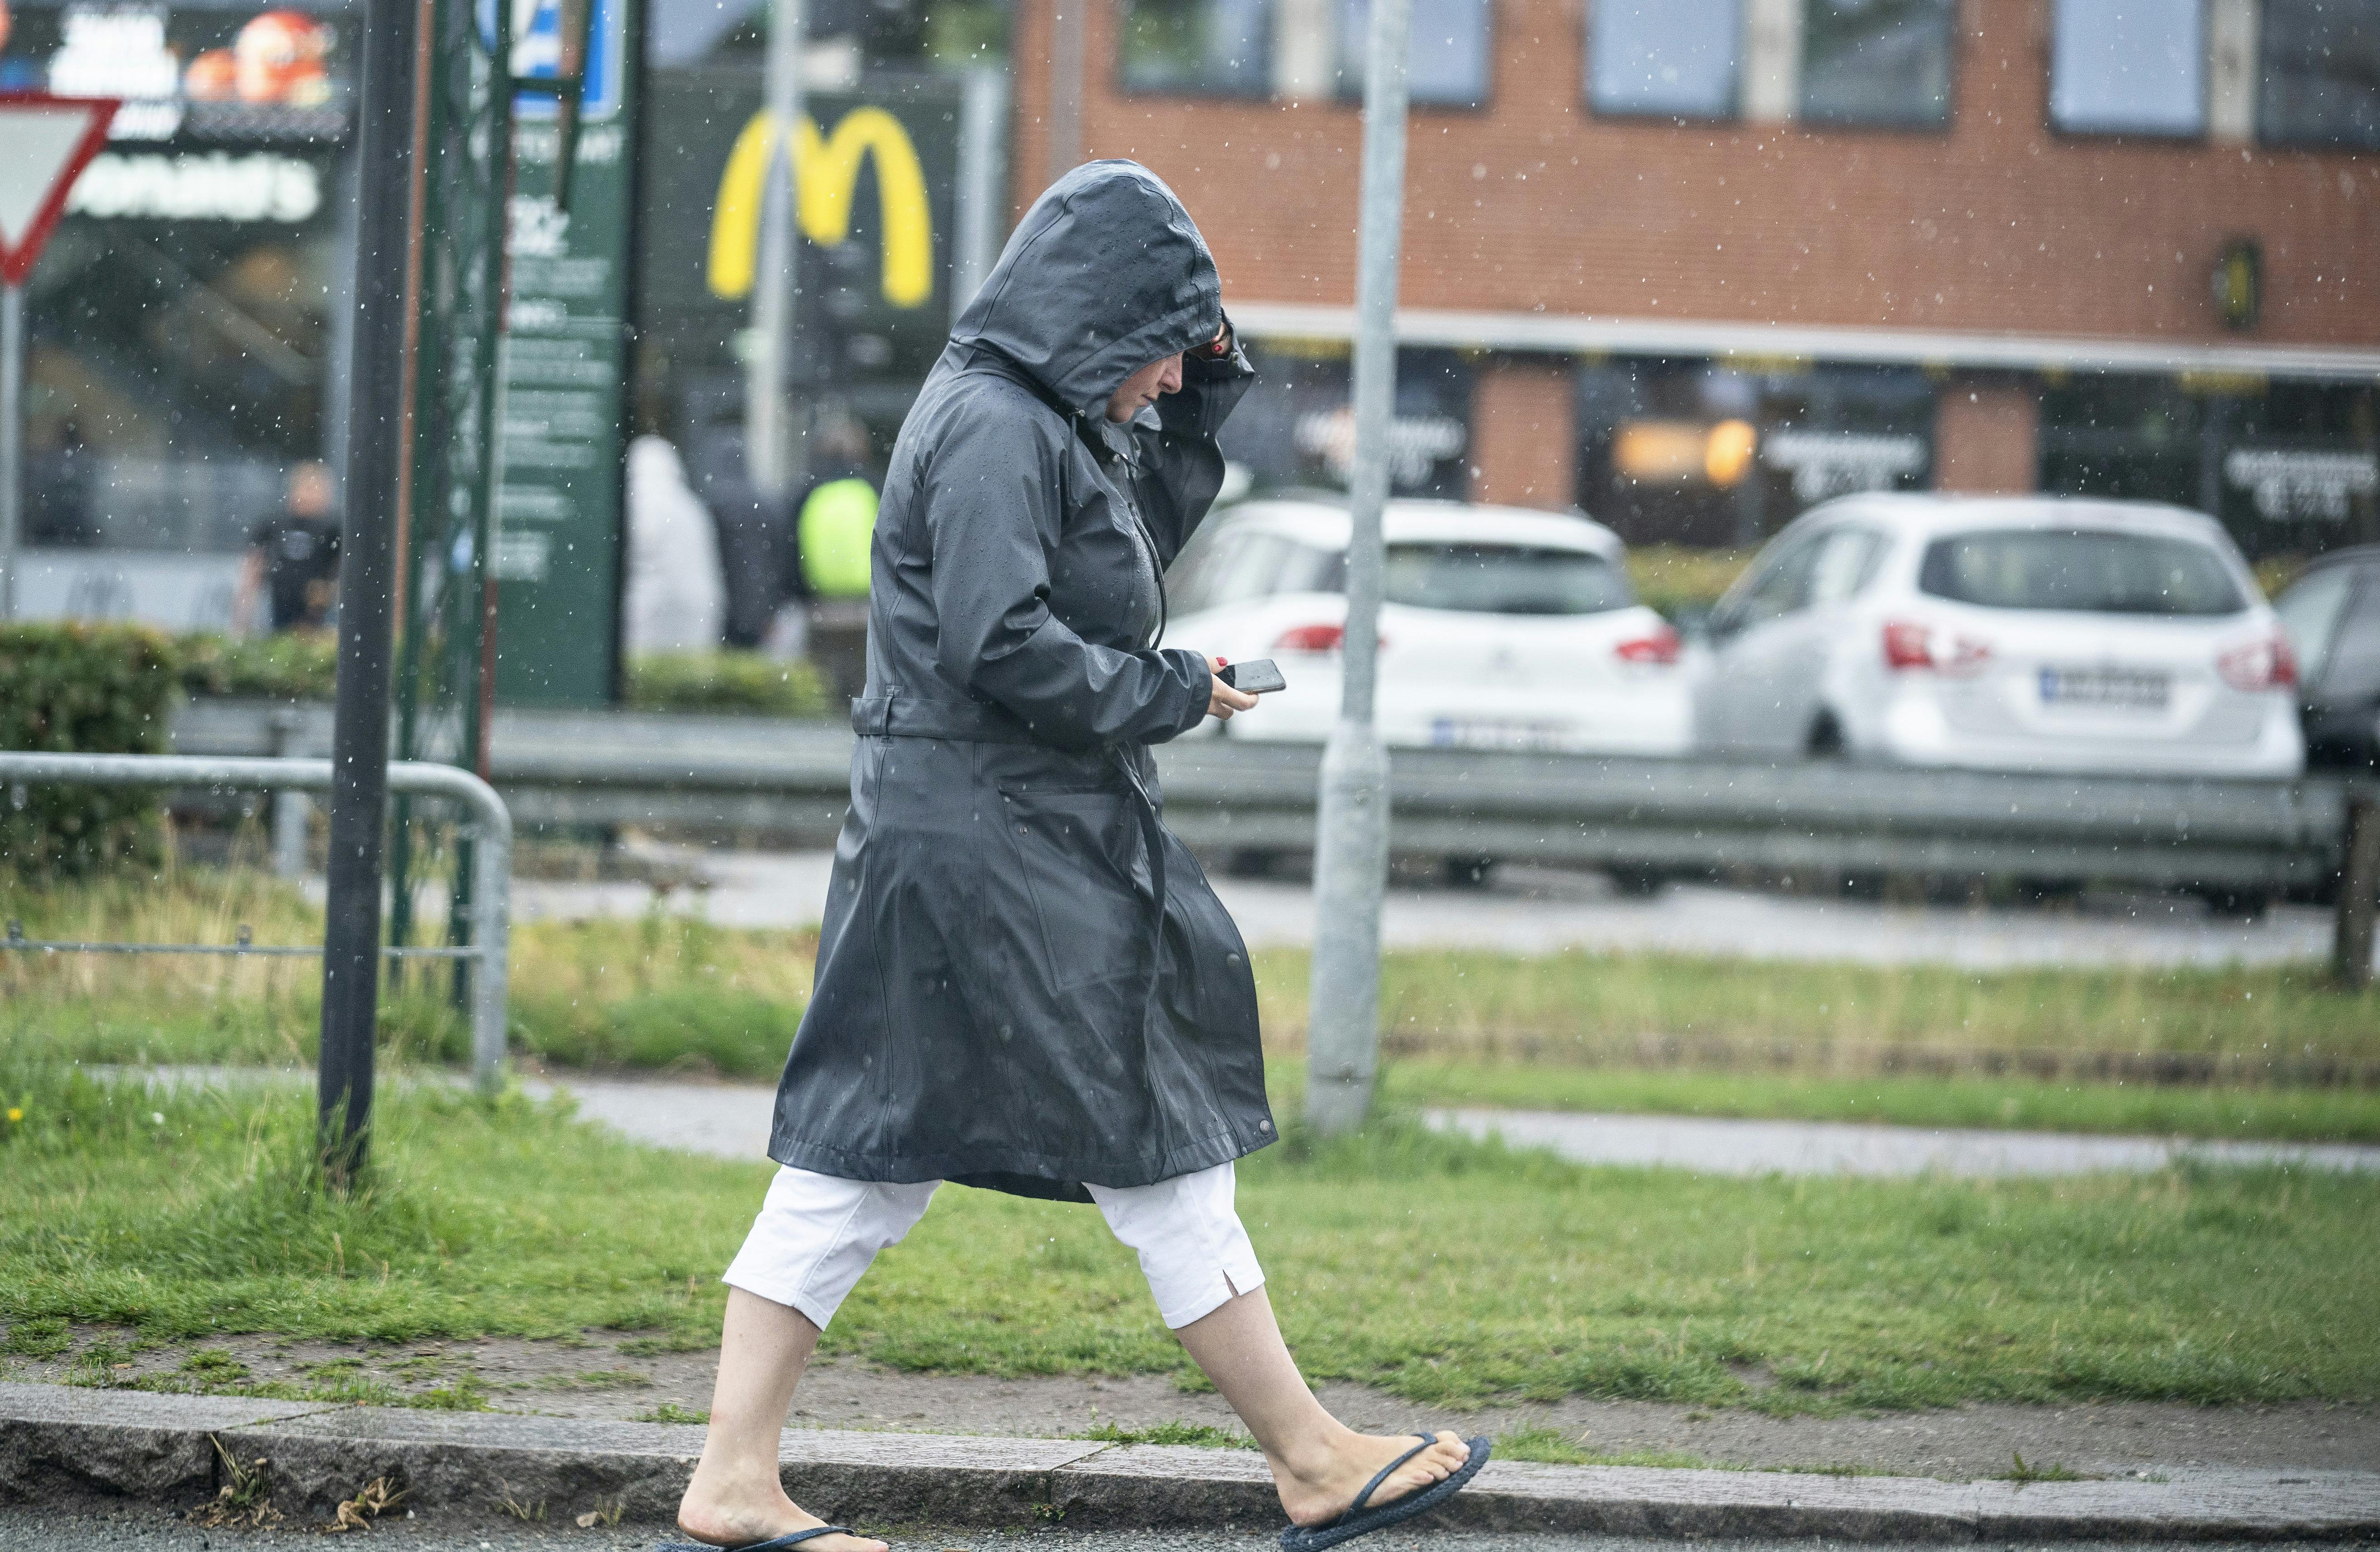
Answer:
[(1023, 981)]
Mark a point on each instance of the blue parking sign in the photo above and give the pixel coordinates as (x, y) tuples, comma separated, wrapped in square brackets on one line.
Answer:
[(537, 53)]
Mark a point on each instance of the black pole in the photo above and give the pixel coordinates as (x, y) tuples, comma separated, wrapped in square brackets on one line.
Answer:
[(367, 583)]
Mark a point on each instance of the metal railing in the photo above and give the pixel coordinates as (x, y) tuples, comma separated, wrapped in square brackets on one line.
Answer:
[(791, 781), (491, 866)]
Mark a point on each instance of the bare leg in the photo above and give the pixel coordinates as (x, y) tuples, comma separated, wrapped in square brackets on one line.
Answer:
[(1319, 1463), (736, 1497)]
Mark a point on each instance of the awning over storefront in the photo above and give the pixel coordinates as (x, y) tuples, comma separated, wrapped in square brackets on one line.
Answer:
[(1575, 335)]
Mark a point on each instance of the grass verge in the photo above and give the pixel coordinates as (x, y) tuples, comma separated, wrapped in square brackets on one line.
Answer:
[(1560, 1031), (1437, 1269)]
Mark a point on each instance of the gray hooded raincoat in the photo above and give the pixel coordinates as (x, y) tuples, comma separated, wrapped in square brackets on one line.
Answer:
[(1023, 981)]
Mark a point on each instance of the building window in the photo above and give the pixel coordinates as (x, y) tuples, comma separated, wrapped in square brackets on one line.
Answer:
[(1446, 60), (1218, 48), (2129, 68), (2290, 467), (1702, 454), (2321, 70), (1878, 62), (1674, 58), (1296, 428)]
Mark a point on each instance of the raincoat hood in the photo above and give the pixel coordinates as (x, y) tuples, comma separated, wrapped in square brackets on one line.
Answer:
[(1106, 273)]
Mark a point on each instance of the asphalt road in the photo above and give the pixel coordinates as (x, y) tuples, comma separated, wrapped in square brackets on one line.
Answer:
[(36, 1529), (1541, 910)]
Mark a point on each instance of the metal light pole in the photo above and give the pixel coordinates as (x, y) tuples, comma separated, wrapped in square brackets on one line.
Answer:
[(366, 599), (771, 457), (12, 443), (1350, 858)]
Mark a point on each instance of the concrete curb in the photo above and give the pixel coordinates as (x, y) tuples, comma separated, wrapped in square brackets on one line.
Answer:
[(57, 1441)]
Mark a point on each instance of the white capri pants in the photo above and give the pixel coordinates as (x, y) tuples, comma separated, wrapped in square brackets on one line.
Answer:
[(815, 1235)]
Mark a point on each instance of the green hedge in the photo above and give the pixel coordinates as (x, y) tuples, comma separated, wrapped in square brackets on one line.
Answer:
[(81, 689), (304, 668), (743, 682), (287, 667)]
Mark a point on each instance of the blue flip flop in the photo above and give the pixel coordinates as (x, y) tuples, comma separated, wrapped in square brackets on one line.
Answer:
[(1359, 1521), (772, 1544)]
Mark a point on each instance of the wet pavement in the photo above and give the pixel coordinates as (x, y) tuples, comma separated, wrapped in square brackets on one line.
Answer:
[(732, 1121)]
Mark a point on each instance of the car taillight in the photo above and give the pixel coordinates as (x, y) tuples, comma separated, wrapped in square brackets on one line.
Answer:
[(2268, 664), (1908, 644), (1661, 646), (1310, 638)]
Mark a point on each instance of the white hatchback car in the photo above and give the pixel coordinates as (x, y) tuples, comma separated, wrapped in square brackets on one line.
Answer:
[(1500, 629), (2002, 634)]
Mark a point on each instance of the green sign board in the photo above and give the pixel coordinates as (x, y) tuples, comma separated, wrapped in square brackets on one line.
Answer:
[(561, 414)]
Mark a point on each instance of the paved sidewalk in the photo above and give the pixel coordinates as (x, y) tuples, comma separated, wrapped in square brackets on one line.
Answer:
[(732, 1121), (56, 1442), (1714, 1146), (101, 1530)]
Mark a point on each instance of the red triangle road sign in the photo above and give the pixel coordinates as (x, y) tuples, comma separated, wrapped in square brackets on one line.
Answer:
[(45, 142)]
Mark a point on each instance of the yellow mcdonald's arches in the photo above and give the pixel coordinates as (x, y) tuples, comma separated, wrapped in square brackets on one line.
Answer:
[(826, 172)]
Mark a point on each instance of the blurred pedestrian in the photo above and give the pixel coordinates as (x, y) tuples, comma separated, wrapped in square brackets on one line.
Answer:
[(825, 618), (1023, 981), (292, 567), (676, 596), (835, 517)]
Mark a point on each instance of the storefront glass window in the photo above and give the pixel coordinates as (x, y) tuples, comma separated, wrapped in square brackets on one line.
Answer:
[(1447, 60), (1297, 426), (1885, 63), (2291, 468), (1676, 59), (2129, 68), (1218, 48), (1697, 453), (185, 361), (2321, 70)]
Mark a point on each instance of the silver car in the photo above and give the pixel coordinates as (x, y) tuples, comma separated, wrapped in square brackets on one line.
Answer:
[(2002, 634)]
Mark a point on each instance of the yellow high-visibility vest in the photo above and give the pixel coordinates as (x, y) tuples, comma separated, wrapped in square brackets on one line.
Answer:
[(837, 523)]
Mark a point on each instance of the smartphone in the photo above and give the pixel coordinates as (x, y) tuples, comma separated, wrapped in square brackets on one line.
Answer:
[(1257, 676)]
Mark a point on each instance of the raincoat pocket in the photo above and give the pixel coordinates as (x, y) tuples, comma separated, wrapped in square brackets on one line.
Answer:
[(1081, 858)]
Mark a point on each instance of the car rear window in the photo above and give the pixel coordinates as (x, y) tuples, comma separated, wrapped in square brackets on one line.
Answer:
[(1504, 580), (2089, 571)]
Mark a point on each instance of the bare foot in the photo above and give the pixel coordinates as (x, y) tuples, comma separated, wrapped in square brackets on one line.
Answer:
[(726, 1515), (1319, 1497)]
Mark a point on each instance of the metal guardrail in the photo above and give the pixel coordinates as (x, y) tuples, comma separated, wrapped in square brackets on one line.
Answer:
[(492, 877), (791, 779)]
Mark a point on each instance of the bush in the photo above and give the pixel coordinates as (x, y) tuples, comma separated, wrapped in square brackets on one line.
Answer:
[(1676, 580), (89, 689), (744, 682), (286, 667)]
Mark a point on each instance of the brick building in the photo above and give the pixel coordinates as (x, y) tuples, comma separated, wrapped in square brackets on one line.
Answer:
[(1691, 265)]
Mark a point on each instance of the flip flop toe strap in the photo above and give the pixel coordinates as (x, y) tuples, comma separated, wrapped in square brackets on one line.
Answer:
[(774, 1544), (1373, 1486)]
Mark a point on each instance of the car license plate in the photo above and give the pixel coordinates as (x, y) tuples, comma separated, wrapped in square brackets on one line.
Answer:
[(2122, 689), (1456, 733)]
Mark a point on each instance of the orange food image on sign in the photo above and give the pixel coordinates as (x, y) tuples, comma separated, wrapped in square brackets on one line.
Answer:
[(278, 58), (214, 77)]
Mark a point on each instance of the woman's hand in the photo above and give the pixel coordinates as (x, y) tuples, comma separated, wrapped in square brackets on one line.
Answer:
[(1223, 700)]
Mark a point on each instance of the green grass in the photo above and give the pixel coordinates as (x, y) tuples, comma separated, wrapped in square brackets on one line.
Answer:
[(1203, 1435), (1580, 1005), (1439, 1269), (1574, 1030)]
